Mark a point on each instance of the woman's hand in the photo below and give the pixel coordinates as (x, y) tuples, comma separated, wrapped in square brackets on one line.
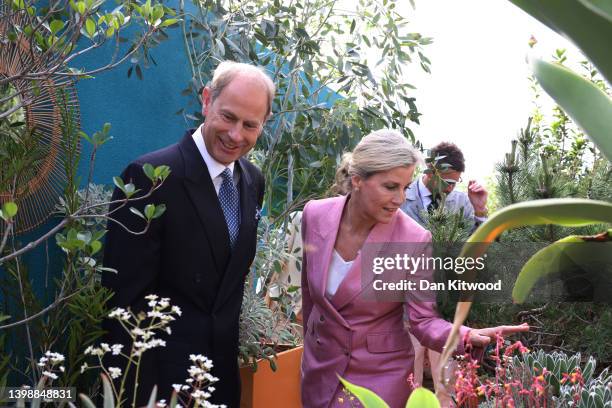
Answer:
[(482, 337)]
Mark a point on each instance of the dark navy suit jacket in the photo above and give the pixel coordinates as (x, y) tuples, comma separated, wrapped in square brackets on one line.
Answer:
[(185, 256)]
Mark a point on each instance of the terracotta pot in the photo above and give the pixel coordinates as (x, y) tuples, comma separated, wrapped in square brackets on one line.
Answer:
[(270, 389)]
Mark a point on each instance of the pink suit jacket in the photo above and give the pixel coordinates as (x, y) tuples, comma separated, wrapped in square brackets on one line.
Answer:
[(363, 341)]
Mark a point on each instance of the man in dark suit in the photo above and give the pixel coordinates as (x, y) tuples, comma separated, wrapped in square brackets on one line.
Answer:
[(199, 251)]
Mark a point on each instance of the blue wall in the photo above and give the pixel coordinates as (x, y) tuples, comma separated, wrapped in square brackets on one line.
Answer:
[(141, 112)]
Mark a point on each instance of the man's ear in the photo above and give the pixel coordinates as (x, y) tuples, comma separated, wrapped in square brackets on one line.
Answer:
[(206, 100)]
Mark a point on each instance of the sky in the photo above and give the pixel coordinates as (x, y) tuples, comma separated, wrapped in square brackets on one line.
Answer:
[(477, 94)]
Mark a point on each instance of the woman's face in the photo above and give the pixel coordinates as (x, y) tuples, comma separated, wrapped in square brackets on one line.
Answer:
[(380, 195)]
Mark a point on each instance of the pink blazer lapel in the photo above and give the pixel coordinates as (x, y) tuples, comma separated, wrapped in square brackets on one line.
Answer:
[(352, 284), (326, 231)]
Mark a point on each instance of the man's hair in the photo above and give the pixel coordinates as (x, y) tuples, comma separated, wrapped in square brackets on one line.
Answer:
[(452, 155), (228, 70)]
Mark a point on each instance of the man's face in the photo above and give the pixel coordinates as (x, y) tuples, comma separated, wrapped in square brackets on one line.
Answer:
[(451, 177), (234, 119)]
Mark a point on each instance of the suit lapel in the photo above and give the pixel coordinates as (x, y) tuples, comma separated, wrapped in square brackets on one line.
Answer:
[(234, 273), (327, 231), (248, 202), (352, 284), (203, 196)]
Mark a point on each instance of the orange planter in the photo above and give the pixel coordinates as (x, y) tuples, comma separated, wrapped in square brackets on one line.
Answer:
[(273, 389)]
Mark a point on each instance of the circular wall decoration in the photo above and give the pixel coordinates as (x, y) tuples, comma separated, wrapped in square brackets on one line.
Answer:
[(46, 119)]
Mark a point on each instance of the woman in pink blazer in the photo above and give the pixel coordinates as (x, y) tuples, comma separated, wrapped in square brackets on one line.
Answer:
[(344, 334)]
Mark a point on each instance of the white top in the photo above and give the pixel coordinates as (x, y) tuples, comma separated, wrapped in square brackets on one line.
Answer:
[(214, 167), (338, 268)]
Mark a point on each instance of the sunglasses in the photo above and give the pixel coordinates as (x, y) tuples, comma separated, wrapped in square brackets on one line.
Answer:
[(452, 182)]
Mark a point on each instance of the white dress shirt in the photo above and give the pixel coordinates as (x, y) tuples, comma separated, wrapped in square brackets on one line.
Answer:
[(214, 167)]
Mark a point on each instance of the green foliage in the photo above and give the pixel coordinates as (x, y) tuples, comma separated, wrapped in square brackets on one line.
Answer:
[(19, 301), (557, 364), (448, 229), (571, 381), (538, 379), (551, 158), (595, 393), (570, 327), (419, 398), (85, 312), (268, 319), (328, 96), (572, 91), (568, 212), (422, 398), (75, 322), (75, 27), (71, 319), (21, 151), (367, 398), (8, 211), (587, 27), (4, 358), (92, 196), (591, 255), (257, 325), (583, 22)]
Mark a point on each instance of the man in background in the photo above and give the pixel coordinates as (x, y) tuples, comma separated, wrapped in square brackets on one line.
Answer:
[(423, 195)]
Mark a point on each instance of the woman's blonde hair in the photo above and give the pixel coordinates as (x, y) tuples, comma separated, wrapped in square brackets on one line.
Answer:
[(381, 150)]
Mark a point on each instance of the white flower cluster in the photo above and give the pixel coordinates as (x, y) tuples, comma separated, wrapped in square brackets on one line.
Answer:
[(200, 383), (51, 357), (142, 346), (156, 319), (120, 314), (198, 358), (48, 363), (159, 310), (104, 348), (161, 304), (114, 372), (206, 404), (199, 374)]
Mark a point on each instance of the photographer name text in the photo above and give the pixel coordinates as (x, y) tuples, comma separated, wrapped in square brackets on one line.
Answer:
[(424, 284)]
